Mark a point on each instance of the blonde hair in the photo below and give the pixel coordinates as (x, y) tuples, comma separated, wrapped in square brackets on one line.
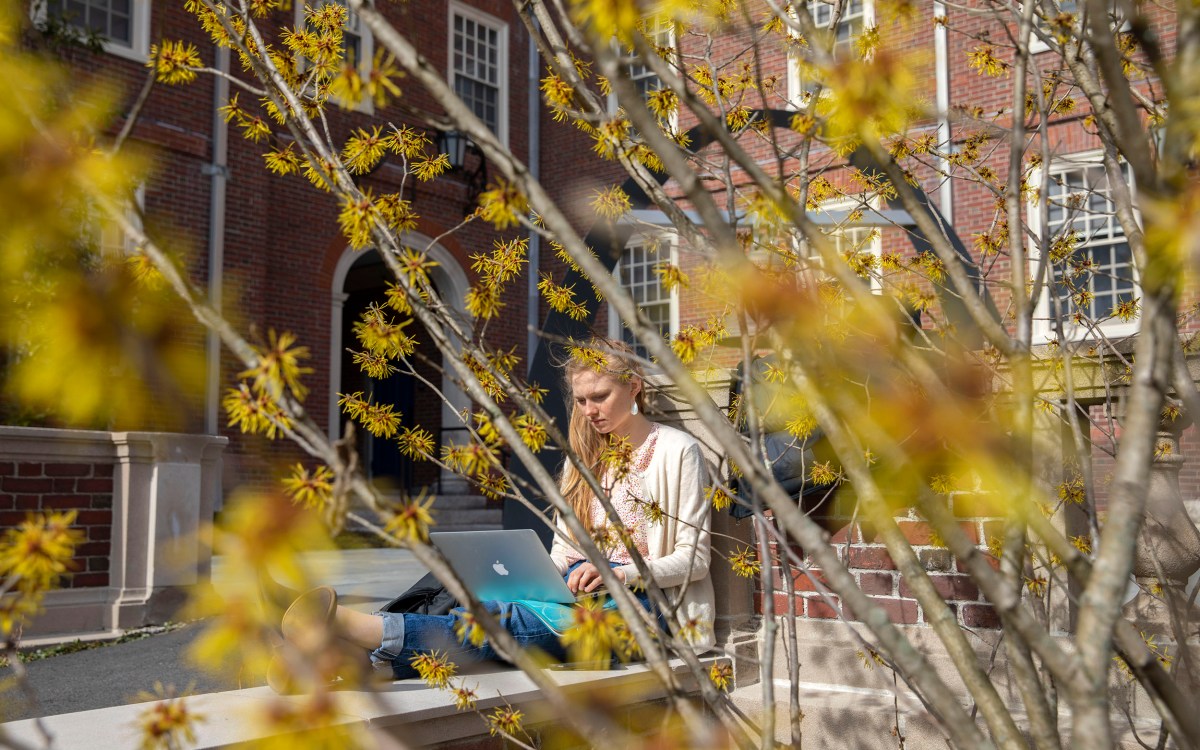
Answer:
[(608, 357)]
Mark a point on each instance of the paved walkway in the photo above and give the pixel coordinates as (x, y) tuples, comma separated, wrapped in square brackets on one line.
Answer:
[(114, 675)]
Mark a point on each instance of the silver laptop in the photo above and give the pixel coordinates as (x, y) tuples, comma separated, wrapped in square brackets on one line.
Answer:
[(507, 565)]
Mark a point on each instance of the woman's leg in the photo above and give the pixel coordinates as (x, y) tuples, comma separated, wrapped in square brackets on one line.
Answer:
[(404, 636), (360, 628)]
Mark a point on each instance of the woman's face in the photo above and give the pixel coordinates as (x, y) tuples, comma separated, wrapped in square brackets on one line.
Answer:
[(605, 400)]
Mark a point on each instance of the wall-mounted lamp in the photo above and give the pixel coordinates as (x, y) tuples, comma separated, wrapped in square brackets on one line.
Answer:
[(457, 146)]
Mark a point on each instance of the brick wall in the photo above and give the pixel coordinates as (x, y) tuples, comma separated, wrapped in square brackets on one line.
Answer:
[(875, 572), (87, 488)]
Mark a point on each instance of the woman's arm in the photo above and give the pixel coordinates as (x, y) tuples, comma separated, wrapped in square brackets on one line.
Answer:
[(561, 551), (688, 559)]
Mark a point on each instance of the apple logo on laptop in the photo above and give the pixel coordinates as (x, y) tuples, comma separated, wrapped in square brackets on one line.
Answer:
[(499, 568)]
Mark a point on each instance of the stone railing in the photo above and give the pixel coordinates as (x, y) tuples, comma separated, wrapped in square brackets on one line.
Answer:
[(143, 501)]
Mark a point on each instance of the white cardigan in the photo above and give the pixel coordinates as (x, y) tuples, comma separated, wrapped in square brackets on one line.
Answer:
[(680, 546)]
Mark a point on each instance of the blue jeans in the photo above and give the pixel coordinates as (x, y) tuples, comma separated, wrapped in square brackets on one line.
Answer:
[(406, 635)]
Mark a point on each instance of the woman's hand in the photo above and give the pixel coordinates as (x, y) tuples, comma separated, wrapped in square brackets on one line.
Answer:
[(586, 578)]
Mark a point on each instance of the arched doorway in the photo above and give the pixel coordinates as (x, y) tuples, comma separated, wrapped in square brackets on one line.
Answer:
[(360, 279)]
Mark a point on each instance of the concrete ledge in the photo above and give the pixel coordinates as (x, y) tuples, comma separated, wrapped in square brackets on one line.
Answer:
[(843, 695), (838, 716), (406, 709)]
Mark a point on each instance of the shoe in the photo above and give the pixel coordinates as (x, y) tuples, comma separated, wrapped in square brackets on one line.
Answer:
[(306, 625), (272, 593), (309, 616), (274, 598)]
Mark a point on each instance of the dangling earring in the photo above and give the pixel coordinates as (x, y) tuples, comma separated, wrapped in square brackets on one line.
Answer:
[(634, 409)]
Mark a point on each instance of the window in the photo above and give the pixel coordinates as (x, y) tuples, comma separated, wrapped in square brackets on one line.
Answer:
[(123, 25), (859, 244), (660, 32), (636, 273), (109, 238), (1092, 275), (850, 26), (479, 65), (856, 16), (357, 39), (1061, 19)]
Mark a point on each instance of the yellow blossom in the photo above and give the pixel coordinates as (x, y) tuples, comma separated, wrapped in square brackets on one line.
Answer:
[(504, 720), (719, 497), (380, 85), (1036, 585), (1082, 543), (822, 474), (363, 150), (309, 490), (412, 519), (671, 276), (253, 412), (721, 675), (279, 366), (167, 723), (435, 668), (611, 202), (283, 161), (533, 432), (358, 217), (503, 204), (983, 59), (381, 420), (592, 636), (617, 456), (416, 265), (38, 550), (745, 563), (1073, 490), (374, 365), (415, 442), (468, 630), (381, 335), (427, 169), (464, 698), (174, 62)]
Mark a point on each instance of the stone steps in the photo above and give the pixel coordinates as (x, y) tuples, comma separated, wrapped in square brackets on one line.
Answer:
[(462, 512), (467, 513)]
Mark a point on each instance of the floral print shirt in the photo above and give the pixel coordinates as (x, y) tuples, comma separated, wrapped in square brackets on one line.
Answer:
[(629, 500)]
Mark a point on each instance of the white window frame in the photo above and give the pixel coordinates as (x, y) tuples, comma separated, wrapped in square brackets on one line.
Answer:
[(666, 241), (138, 48), (110, 231), (1037, 46), (367, 46), (837, 227), (501, 29), (796, 84), (654, 38), (1043, 328)]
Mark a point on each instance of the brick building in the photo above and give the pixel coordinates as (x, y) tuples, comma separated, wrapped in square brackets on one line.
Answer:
[(965, 110), (270, 249)]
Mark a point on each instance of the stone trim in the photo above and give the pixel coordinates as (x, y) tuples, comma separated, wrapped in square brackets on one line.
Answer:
[(144, 500)]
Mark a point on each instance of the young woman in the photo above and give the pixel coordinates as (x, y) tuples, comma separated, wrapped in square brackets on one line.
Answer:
[(667, 471)]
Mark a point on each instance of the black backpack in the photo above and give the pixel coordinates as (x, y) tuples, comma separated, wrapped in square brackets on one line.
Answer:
[(425, 597)]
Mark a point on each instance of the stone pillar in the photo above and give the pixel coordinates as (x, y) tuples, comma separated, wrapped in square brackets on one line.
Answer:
[(1169, 549), (167, 489), (734, 595)]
